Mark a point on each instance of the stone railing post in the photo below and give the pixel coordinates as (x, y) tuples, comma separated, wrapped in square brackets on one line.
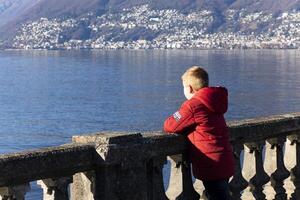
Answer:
[(125, 167), (188, 191), (295, 171), (83, 187), (55, 189), (237, 183), (175, 179), (14, 192), (281, 173), (181, 183), (260, 178)]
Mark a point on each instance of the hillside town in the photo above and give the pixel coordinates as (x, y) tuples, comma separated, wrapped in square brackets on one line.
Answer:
[(145, 28)]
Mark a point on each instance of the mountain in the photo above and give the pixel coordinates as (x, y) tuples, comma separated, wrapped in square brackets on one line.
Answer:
[(62, 8), (76, 8), (269, 6), (17, 11), (245, 16), (9, 9), (57, 8)]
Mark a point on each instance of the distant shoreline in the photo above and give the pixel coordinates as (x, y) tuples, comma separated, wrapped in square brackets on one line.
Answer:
[(141, 49)]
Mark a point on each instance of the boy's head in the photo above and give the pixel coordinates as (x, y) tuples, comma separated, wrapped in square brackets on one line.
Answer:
[(193, 80)]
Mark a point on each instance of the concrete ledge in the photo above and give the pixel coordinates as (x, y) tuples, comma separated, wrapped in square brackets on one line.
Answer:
[(44, 163), (258, 129)]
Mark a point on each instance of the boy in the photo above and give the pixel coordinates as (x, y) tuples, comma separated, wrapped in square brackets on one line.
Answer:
[(201, 119)]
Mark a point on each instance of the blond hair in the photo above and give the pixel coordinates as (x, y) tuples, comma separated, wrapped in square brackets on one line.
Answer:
[(196, 77)]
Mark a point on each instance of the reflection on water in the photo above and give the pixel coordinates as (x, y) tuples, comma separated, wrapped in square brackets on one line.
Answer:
[(48, 96)]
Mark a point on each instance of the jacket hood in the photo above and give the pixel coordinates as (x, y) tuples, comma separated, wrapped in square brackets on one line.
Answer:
[(214, 98)]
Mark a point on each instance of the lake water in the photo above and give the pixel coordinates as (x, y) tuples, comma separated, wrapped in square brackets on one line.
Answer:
[(48, 96)]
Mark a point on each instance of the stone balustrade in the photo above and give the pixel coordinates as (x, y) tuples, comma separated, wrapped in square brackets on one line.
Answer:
[(153, 165)]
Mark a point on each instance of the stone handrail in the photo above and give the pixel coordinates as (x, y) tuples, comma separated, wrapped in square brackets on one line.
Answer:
[(54, 165), (111, 166), (265, 127), (45, 163)]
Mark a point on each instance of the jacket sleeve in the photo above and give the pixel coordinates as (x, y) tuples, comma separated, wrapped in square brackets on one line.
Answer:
[(180, 120)]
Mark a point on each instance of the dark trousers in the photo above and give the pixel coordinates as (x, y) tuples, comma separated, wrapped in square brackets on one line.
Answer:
[(217, 190)]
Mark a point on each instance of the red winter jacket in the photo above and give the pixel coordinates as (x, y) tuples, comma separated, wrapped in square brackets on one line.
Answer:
[(202, 119)]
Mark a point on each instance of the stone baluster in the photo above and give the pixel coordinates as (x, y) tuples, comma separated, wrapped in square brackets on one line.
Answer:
[(55, 189), (281, 173), (83, 186), (188, 191), (260, 178), (237, 183), (155, 178), (290, 163), (295, 171), (175, 180), (17, 192)]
